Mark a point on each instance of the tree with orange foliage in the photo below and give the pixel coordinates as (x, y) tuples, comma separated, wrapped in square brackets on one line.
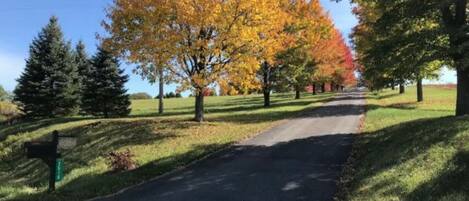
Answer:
[(334, 62), (350, 69), (327, 57)]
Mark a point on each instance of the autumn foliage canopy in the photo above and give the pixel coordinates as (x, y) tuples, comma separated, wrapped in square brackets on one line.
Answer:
[(224, 43)]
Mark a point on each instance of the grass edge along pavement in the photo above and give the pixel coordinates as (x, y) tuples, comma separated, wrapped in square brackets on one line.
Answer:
[(409, 150), (348, 169), (169, 142)]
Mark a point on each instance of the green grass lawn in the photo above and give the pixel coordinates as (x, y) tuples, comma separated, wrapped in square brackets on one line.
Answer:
[(411, 151), (160, 142)]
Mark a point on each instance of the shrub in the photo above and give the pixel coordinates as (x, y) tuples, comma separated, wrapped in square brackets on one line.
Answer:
[(4, 95), (8, 110), (121, 161), (140, 96), (209, 92), (172, 95)]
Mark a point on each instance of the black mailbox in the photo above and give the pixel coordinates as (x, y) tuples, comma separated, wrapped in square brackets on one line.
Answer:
[(47, 151), (40, 149)]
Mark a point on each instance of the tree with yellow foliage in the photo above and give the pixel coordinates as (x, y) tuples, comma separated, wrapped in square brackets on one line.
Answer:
[(305, 25), (199, 41)]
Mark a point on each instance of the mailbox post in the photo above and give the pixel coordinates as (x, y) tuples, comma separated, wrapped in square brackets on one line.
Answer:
[(53, 160), (48, 152)]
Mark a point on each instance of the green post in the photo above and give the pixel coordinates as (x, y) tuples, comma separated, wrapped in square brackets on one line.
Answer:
[(59, 169), (52, 161)]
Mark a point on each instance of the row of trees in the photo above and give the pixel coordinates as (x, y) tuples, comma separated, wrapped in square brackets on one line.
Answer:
[(238, 45), (398, 42), (140, 96), (59, 81), (171, 95)]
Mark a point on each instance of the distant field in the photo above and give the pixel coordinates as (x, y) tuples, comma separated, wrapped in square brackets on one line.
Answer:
[(160, 143), (411, 151)]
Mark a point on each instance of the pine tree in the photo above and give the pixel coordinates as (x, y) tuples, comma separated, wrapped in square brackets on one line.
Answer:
[(48, 85), (104, 93), (83, 66), (65, 84)]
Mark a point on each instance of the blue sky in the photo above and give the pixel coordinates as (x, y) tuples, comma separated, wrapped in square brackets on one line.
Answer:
[(21, 21)]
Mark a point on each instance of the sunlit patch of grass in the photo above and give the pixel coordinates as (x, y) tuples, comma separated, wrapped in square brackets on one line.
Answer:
[(160, 142), (411, 151)]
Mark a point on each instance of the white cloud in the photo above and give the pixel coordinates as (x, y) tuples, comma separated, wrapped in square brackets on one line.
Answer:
[(11, 67)]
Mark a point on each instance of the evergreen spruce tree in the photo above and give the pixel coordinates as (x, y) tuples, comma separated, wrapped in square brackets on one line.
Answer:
[(48, 85), (104, 93), (83, 66)]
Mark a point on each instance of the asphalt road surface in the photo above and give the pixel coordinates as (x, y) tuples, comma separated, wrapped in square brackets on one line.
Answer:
[(299, 160)]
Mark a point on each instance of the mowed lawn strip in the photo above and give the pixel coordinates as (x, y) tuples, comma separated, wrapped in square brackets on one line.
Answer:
[(161, 143), (411, 151)]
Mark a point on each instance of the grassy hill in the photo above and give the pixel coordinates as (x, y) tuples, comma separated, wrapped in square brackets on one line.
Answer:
[(160, 142), (411, 151)]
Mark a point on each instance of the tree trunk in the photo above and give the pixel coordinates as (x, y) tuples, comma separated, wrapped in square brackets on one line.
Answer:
[(393, 86), (297, 94), (199, 105), (401, 88), (161, 92), (332, 87), (105, 111), (323, 87), (454, 17), (419, 90), (266, 88), (462, 101), (314, 89), (266, 98)]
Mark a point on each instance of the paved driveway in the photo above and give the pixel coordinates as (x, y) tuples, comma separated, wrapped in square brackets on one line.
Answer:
[(299, 160)]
